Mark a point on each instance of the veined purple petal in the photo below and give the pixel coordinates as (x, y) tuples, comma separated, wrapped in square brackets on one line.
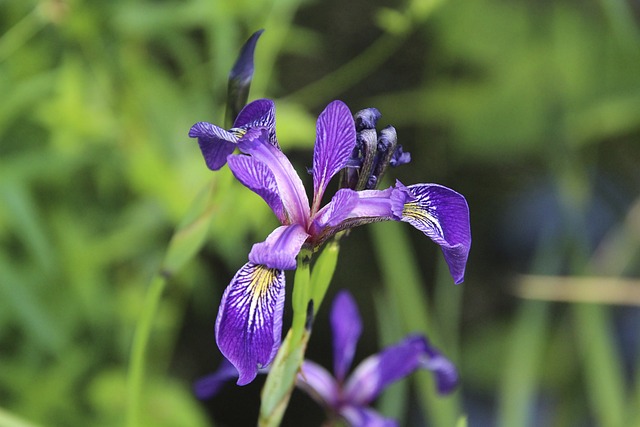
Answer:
[(349, 208), (259, 113), (249, 322), (442, 215), (281, 247), (358, 416), (346, 325), (210, 385), (376, 372), (294, 198), (319, 384), (215, 143), (257, 177), (335, 140), (336, 211)]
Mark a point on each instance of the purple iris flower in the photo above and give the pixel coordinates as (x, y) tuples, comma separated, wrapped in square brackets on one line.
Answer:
[(249, 323), (350, 397)]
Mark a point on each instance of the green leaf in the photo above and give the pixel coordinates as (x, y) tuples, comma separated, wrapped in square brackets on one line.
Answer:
[(322, 273), (191, 232)]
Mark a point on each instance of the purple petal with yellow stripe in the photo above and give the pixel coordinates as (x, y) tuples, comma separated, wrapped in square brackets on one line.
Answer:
[(335, 140), (249, 322), (441, 214), (259, 113), (258, 178)]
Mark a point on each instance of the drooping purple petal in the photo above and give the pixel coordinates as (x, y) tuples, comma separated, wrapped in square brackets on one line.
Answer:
[(376, 372), (257, 177), (318, 383), (281, 247), (335, 140), (294, 198), (444, 370), (249, 322), (215, 143), (346, 325), (442, 215), (259, 113), (209, 386), (358, 416)]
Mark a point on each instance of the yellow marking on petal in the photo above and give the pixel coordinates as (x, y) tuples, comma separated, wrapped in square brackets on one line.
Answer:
[(261, 280), (419, 213), (239, 132)]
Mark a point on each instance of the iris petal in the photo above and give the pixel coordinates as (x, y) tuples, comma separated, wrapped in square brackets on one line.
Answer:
[(346, 325), (281, 247), (215, 143), (376, 372), (442, 215), (249, 322), (335, 139), (258, 178), (294, 198), (358, 416), (349, 208), (318, 383), (210, 385), (259, 113)]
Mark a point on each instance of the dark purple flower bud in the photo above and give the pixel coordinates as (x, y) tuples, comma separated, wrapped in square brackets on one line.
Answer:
[(240, 79), (368, 137), (367, 118), (387, 142)]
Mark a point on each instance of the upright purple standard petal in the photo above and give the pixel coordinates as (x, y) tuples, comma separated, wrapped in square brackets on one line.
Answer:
[(215, 143), (347, 327), (281, 247), (442, 215), (257, 177), (335, 140), (377, 372), (249, 322)]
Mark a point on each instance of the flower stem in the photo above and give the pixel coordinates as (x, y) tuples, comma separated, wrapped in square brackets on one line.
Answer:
[(139, 347)]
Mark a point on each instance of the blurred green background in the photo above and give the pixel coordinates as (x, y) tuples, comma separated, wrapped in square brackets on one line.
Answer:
[(530, 108)]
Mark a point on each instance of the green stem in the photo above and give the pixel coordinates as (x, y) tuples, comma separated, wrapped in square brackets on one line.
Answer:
[(284, 369), (139, 349)]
